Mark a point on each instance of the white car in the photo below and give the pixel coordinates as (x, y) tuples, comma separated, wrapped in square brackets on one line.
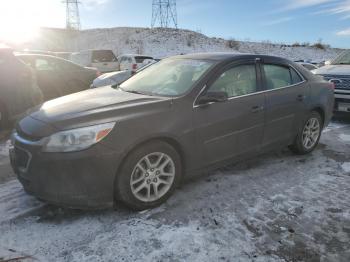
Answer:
[(112, 78), (134, 62), (308, 66), (337, 72), (115, 78), (104, 60)]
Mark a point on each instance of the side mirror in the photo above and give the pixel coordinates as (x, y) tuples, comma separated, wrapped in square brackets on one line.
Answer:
[(212, 97)]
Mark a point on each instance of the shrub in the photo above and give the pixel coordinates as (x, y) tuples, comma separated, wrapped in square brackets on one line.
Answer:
[(233, 44)]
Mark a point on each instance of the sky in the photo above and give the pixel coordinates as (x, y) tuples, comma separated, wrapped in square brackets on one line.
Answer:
[(280, 21)]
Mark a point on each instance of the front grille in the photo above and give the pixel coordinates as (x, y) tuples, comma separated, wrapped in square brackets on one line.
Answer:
[(344, 82), (21, 158)]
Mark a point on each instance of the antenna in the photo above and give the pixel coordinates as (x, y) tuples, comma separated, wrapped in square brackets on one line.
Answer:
[(164, 13), (72, 14)]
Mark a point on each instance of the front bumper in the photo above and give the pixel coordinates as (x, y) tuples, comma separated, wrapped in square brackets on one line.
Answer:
[(342, 100), (82, 179)]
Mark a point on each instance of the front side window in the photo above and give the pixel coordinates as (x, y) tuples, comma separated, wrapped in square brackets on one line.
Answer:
[(237, 81), (170, 77)]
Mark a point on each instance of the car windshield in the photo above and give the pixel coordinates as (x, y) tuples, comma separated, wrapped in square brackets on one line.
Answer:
[(343, 59), (170, 77)]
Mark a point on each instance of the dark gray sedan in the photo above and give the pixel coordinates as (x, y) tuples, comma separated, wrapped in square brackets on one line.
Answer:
[(134, 143)]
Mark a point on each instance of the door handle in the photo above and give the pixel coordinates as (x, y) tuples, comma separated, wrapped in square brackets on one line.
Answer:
[(300, 97), (256, 109)]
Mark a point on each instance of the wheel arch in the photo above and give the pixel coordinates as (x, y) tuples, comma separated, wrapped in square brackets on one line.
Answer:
[(321, 111)]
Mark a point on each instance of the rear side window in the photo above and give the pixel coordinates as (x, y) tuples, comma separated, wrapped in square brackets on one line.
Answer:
[(103, 56), (278, 76), (237, 81), (141, 59)]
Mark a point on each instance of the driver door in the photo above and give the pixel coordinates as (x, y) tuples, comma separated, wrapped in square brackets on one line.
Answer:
[(233, 127)]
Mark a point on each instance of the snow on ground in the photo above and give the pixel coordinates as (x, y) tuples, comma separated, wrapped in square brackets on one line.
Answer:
[(277, 207), (161, 42)]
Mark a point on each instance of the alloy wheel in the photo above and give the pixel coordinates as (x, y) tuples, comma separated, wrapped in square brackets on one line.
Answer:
[(152, 177), (311, 133)]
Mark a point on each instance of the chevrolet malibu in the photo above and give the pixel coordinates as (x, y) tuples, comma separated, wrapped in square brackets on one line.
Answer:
[(134, 143)]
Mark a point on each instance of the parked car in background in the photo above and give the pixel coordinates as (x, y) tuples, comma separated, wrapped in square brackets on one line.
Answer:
[(18, 88), (338, 72), (134, 62), (58, 77), (180, 116), (64, 55), (308, 66), (104, 60), (112, 78), (115, 78)]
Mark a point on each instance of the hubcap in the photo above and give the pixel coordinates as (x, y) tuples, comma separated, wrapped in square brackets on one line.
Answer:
[(311, 133), (152, 177)]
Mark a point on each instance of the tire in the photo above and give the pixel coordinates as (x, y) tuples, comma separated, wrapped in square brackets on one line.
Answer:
[(310, 131), (141, 185)]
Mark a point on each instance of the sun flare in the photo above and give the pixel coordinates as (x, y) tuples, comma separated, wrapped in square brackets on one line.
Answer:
[(21, 20)]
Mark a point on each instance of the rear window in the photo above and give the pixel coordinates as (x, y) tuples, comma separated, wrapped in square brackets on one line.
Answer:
[(141, 59), (103, 56)]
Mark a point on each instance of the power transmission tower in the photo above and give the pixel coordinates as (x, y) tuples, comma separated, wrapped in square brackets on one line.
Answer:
[(164, 13), (72, 14)]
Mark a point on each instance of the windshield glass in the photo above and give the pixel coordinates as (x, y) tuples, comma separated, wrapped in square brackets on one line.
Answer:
[(170, 77), (343, 59)]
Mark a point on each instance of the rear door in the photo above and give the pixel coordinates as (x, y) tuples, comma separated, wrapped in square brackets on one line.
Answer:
[(231, 128), (286, 96)]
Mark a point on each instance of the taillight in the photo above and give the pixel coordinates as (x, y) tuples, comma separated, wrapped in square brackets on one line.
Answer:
[(134, 66)]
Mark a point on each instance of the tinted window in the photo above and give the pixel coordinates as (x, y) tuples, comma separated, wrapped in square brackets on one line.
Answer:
[(277, 76), (237, 81), (103, 56)]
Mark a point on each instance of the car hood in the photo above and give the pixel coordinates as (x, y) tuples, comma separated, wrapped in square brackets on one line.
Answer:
[(333, 70), (91, 107)]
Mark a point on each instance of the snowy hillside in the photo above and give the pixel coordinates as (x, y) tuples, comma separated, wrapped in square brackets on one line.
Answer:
[(161, 42)]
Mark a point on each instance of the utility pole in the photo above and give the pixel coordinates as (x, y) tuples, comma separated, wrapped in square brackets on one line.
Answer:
[(72, 14), (164, 13)]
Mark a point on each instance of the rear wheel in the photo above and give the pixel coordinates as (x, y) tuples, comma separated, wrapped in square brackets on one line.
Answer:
[(309, 136), (149, 176)]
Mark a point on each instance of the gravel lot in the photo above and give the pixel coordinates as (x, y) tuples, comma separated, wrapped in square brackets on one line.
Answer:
[(277, 207)]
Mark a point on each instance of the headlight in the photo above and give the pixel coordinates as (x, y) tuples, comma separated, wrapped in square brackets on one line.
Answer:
[(77, 139)]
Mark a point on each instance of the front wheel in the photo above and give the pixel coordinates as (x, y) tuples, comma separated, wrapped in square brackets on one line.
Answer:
[(309, 136), (148, 176)]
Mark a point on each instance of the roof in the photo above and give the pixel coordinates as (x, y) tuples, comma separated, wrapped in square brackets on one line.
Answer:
[(225, 56)]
